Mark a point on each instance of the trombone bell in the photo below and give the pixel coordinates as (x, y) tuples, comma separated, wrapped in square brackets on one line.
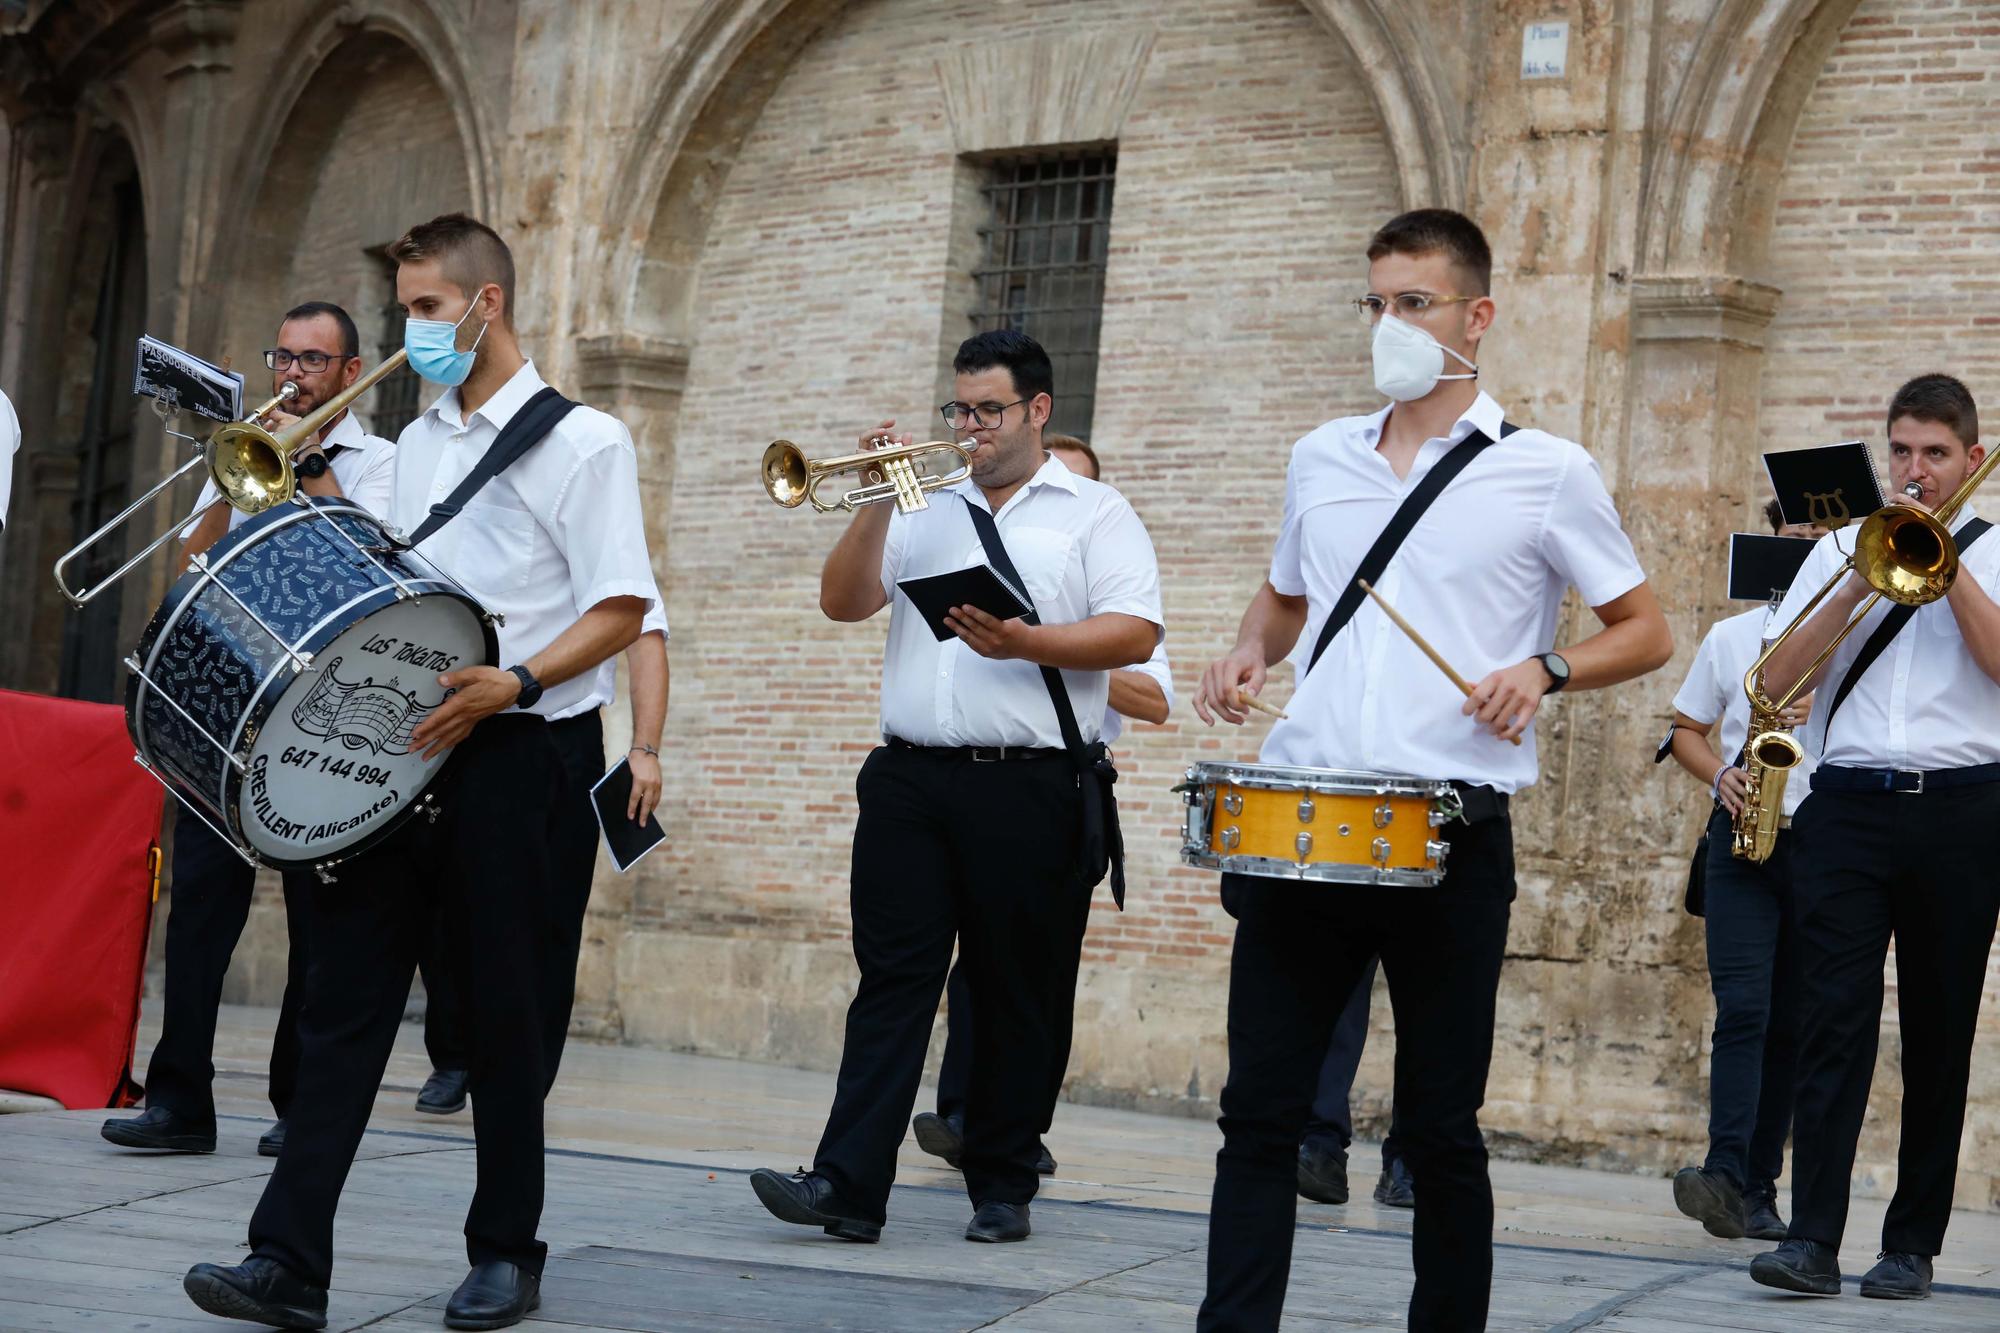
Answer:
[(791, 479)]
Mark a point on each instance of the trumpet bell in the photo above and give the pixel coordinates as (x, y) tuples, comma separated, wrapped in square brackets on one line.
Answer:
[(251, 468), (1906, 554), (787, 477)]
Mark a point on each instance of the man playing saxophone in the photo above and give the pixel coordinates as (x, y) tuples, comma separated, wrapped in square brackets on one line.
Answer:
[(1752, 965), (1896, 841)]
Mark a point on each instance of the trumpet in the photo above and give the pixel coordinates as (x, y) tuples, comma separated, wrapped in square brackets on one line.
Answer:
[(1905, 555), (792, 479)]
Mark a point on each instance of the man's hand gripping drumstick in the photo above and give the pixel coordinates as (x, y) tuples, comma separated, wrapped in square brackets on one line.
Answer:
[(1464, 687)]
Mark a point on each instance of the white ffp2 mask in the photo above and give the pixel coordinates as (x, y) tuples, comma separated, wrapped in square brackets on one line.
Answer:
[(1409, 362)]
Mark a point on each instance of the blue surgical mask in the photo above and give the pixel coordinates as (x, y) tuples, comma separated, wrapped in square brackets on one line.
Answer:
[(432, 345)]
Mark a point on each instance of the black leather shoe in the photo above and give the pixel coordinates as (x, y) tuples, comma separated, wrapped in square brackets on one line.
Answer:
[(993, 1221), (444, 1092), (495, 1294), (273, 1141), (1396, 1189), (161, 1130), (1710, 1198), (1322, 1172), (1804, 1266), (941, 1136), (1898, 1277), (1045, 1161), (1760, 1214), (259, 1290), (807, 1199)]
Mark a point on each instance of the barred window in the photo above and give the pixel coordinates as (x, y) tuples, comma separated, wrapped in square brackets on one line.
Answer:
[(1044, 246), (394, 402)]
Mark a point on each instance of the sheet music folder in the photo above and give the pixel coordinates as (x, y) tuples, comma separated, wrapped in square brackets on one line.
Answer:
[(975, 586)]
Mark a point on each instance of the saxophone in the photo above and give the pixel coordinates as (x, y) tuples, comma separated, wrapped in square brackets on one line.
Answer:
[(1769, 757)]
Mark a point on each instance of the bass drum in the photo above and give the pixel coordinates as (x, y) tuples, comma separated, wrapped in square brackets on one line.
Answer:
[(277, 686)]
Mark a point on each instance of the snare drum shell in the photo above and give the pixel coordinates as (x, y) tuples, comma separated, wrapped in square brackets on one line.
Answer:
[(1314, 824), (233, 678)]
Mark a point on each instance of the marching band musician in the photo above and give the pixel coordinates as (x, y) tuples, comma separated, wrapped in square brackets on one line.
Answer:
[(556, 545), (1752, 956), (1144, 692), (971, 820), (1484, 570), (1896, 841), (319, 351)]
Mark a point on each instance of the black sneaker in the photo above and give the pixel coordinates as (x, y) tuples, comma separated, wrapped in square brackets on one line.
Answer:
[(807, 1199), (1804, 1266), (941, 1136), (1396, 1188), (1710, 1198), (1322, 1172), (272, 1141), (1898, 1277), (260, 1290), (1045, 1162), (1760, 1214), (444, 1092), (160, 1130)]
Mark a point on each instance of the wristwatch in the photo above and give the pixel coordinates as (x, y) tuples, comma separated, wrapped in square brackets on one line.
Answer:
[(1557, 668), (312, 467), (531, 689)]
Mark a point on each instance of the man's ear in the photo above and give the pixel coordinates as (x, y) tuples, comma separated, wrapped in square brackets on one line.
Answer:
[(350, 371), (1479, 318), (1040, 408), (493, 303)]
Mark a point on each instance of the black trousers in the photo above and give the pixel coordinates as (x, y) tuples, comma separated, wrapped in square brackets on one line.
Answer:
[(1300, 951), (579, 741), (1331, 1121), (1753, 970), (486, 859), (1920, 869), (211, 901), (985, 853)]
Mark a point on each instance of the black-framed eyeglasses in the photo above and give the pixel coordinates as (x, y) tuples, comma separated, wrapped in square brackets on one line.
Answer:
[(986, 416), (279, 358), (1407, 305)]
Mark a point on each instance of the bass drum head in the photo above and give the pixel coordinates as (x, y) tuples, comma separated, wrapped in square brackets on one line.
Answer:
[(332, 767)]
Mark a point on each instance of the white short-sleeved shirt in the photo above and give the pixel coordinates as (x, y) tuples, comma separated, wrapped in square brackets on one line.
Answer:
[(1081, 551), (655, 622), (555, 534), (1924, 703), (1714, 689), (365, 467), (1156, 669), (1481, 576), (10, 442)]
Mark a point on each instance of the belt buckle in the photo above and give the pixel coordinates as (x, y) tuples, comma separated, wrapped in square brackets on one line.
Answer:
[(990, 754), (1917, 790)]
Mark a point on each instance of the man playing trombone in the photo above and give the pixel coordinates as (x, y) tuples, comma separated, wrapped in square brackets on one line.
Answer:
[(1896, 841)]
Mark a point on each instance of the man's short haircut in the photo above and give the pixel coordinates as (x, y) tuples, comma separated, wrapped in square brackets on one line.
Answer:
[(1439, 231), (1940, 399), (1070, 442), (1774, 514), (350, 337), (470, 253), (1021, 355)]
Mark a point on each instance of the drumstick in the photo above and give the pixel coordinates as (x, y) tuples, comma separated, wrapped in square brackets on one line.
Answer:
[(1252, 701), (1418, 639)]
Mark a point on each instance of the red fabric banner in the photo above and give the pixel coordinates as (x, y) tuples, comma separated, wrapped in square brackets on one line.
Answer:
[(79, 856)]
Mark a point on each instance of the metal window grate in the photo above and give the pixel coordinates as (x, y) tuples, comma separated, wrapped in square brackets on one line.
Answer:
[(1046, 240), (394, 402)]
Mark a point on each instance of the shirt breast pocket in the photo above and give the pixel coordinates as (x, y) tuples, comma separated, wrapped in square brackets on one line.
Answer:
[(1042, 556), (497, 545)]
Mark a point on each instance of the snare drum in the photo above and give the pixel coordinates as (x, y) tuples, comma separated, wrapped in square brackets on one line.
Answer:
[(276, 687), (1316, 824)]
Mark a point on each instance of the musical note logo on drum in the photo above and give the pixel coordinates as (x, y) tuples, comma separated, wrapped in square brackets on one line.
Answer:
[(361, 714), (1826, 509)]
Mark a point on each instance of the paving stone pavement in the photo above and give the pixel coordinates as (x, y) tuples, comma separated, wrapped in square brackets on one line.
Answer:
[(651, 1225)]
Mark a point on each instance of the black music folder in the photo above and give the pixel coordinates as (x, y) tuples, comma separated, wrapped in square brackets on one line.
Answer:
[(1762, 567), (976, 586), (627, 841), (1831, 484)]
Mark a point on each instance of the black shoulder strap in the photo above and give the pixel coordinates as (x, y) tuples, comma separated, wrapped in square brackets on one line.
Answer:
[(1405, 518), (523, 431), (996, 551), (1892, 625)]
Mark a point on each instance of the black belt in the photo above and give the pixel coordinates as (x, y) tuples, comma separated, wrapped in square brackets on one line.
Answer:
[(587, 717), (1907, 781), (978, 754), (1480, 803)]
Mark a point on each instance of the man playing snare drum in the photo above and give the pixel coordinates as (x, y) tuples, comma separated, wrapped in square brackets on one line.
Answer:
[(1481, 575)]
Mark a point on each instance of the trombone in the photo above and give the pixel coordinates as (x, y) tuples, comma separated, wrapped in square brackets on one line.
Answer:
[(792, 479), (251, 467), (1905, 555)]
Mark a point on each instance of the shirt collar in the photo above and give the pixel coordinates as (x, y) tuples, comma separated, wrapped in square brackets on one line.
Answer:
[(1052, 472), (346, 433), (498, 410), (1482, 414)]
